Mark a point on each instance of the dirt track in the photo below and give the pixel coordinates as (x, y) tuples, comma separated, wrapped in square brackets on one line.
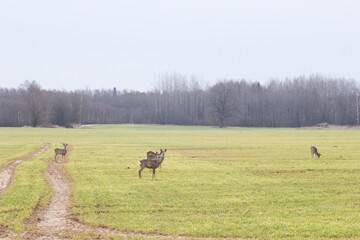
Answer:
[(7, 173), (54, 218)]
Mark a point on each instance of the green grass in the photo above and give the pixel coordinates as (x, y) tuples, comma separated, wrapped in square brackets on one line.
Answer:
[(27, 191), (236, 182), (15, 144)]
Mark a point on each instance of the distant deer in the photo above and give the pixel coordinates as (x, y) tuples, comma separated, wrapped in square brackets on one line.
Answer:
[(150, 163), (60, 151), (152, 156), (313, 150)]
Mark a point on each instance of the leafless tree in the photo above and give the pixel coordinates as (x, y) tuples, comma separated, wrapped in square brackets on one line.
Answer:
[(33, 100), (222, 103)]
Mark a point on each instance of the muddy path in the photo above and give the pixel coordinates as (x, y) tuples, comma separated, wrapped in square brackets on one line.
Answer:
[(7, 173), (54, 218), (54, 221)]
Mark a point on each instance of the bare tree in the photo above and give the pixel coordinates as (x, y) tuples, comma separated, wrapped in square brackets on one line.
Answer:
[(11, 113), (33, 100), (62, 109), (222, 103)]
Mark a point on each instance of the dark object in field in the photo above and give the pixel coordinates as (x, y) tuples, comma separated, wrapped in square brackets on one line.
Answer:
[(151, 163), (60, 151), (313, 150)]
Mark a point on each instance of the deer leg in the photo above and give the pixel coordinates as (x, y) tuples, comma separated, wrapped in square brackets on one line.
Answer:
[(142, 168), (153, 173)]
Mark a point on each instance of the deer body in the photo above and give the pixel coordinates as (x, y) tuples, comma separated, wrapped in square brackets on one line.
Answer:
[(149, 163), (152, 156), (62, 152), (313, 150), (153, 161)]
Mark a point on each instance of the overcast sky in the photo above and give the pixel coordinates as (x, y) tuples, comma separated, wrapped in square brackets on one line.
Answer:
[(80, 44)]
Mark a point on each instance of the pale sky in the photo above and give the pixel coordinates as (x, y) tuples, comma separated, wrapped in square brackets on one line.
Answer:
[(95, 44)]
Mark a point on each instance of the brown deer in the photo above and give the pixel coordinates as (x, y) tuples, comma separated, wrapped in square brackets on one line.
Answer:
[(313, 150), (150, 163), (60, 151), (150, 155)]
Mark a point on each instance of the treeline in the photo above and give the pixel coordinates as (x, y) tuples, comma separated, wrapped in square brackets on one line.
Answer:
[(181, 100)]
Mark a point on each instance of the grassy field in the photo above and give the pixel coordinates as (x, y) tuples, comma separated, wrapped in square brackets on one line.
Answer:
[(236, 182), (27, 191), (16, 143)]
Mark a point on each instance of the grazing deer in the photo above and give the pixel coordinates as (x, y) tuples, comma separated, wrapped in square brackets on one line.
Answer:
[(152, 156), (60, 151), (313, 150), (149, 163)]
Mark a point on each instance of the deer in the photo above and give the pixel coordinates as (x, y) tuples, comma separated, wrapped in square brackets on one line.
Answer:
[(152, 163), (313, 150), (60, 151), (150, 155)]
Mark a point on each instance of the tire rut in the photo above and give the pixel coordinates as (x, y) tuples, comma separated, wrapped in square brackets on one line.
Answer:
[(7, 173), (54, 221), (54, 218)]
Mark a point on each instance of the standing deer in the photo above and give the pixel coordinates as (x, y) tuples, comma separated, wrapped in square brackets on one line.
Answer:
[(60, 151), (152, 156), (149, 163), (313, 150)]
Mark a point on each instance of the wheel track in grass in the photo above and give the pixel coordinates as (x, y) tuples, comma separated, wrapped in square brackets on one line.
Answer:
[(6, 177), (7, 173)]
